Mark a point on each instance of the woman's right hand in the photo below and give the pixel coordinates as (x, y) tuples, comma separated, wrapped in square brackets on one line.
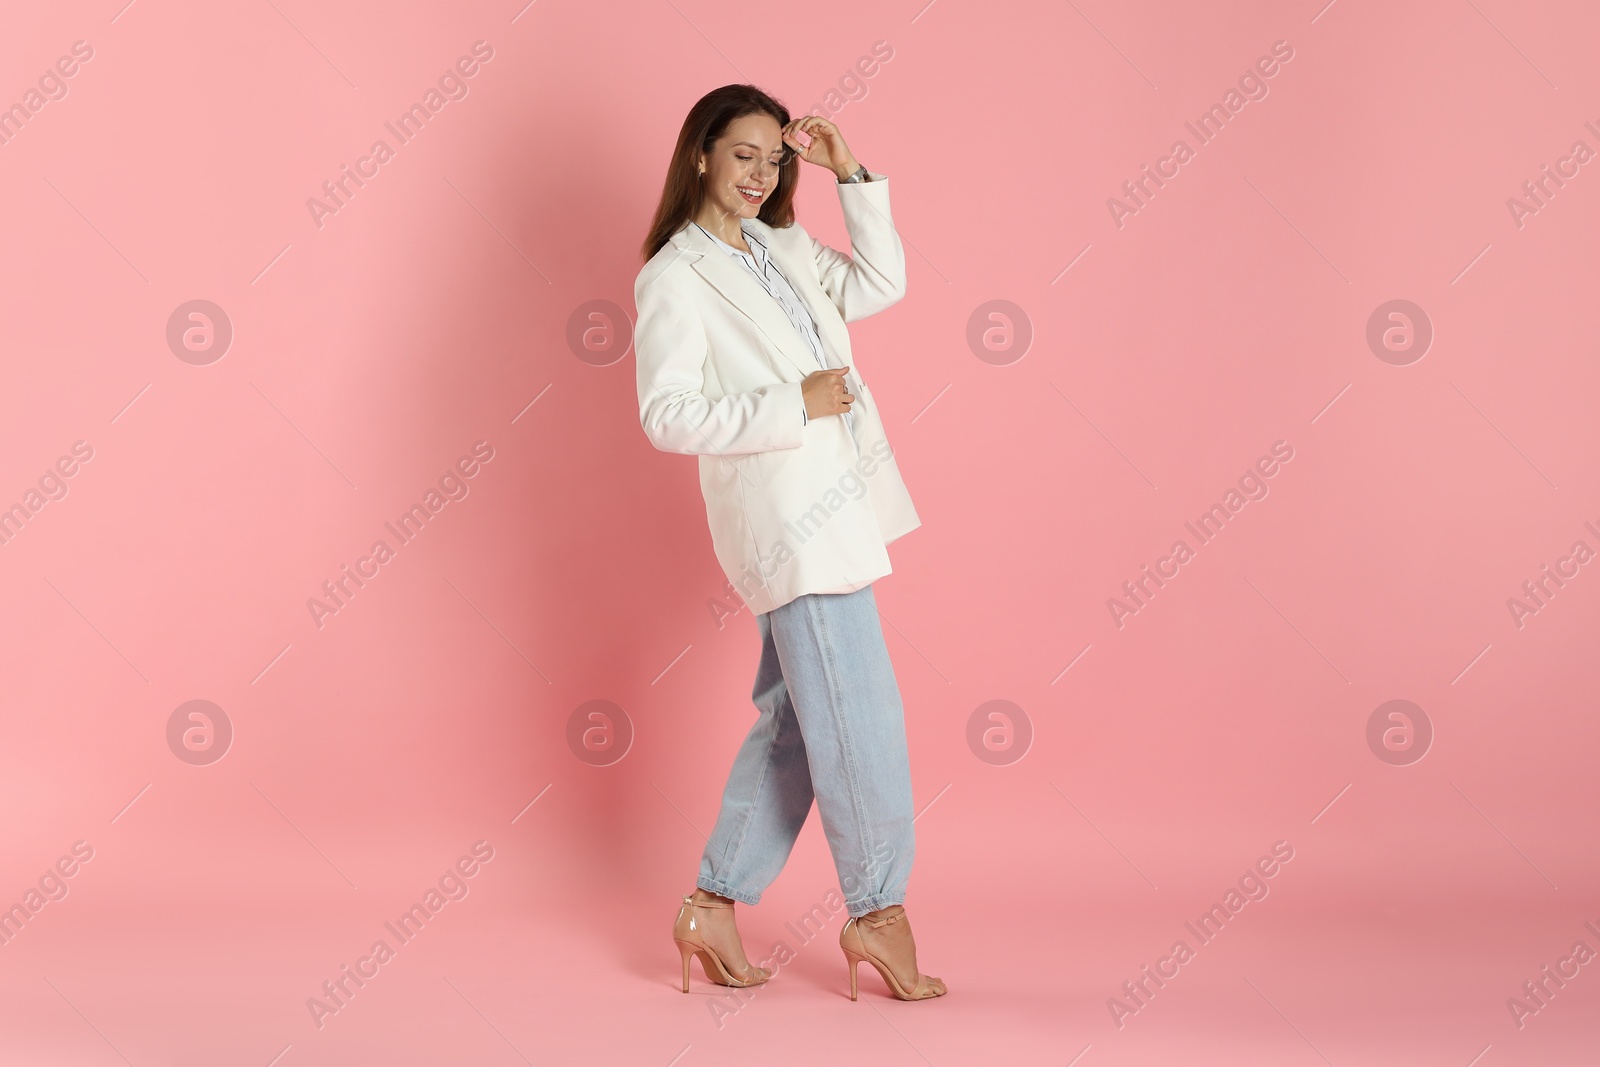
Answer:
[(825, 393)]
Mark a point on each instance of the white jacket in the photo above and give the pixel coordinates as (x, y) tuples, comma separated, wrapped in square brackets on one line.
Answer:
[(795, 507)]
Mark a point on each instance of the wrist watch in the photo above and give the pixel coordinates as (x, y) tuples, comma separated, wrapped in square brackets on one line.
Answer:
[(860, 175)]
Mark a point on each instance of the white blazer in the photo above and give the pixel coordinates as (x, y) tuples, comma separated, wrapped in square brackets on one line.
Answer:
[(794, 507)]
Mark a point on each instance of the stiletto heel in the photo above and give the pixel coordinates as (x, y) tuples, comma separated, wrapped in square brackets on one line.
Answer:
[(855, 951), (685, 950), (686, 933), (852, 959)]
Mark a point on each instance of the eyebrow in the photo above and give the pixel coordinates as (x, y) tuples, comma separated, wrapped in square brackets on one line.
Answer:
[(757, 147)]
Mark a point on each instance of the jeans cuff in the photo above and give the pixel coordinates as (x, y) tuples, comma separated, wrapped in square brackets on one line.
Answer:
[(876, 902), (711, 885)]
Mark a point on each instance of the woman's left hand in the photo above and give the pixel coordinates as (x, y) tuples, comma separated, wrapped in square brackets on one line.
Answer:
[(827, 147)]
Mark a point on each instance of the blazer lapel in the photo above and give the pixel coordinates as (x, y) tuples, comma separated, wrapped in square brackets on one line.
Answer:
[(745, 293)]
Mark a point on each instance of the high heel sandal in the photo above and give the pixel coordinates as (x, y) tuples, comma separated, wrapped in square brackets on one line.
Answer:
[(686, 933), (855, 951)]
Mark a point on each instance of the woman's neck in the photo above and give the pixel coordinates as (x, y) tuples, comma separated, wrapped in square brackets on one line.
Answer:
[(727, 227)]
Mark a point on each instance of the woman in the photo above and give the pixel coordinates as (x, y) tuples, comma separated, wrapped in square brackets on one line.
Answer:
[(745, 362)]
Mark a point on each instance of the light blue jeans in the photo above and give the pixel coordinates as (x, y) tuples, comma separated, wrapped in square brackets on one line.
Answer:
[(831, 728)]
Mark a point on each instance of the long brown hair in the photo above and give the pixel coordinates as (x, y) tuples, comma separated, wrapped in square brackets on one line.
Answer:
[(684, 192)]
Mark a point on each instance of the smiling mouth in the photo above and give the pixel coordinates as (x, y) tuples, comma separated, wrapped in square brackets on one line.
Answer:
[(753, 196)]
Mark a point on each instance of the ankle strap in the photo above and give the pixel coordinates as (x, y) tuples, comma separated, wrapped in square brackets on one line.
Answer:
[(705, 903), (885, 921)]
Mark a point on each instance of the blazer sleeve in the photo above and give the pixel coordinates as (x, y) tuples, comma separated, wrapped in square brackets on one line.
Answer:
[(874, 276), (670, 351)]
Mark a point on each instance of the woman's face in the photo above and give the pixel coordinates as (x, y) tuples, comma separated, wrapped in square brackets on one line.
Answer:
[(742, 167)]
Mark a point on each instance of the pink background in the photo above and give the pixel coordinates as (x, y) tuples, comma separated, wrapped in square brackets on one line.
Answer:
[(435, 310)]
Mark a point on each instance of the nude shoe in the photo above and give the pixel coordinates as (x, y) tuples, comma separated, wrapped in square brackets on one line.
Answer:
[(855, 951), (686, 932)]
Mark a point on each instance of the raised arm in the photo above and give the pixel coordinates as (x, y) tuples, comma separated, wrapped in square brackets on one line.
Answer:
[(873, 276), (670, 353)]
